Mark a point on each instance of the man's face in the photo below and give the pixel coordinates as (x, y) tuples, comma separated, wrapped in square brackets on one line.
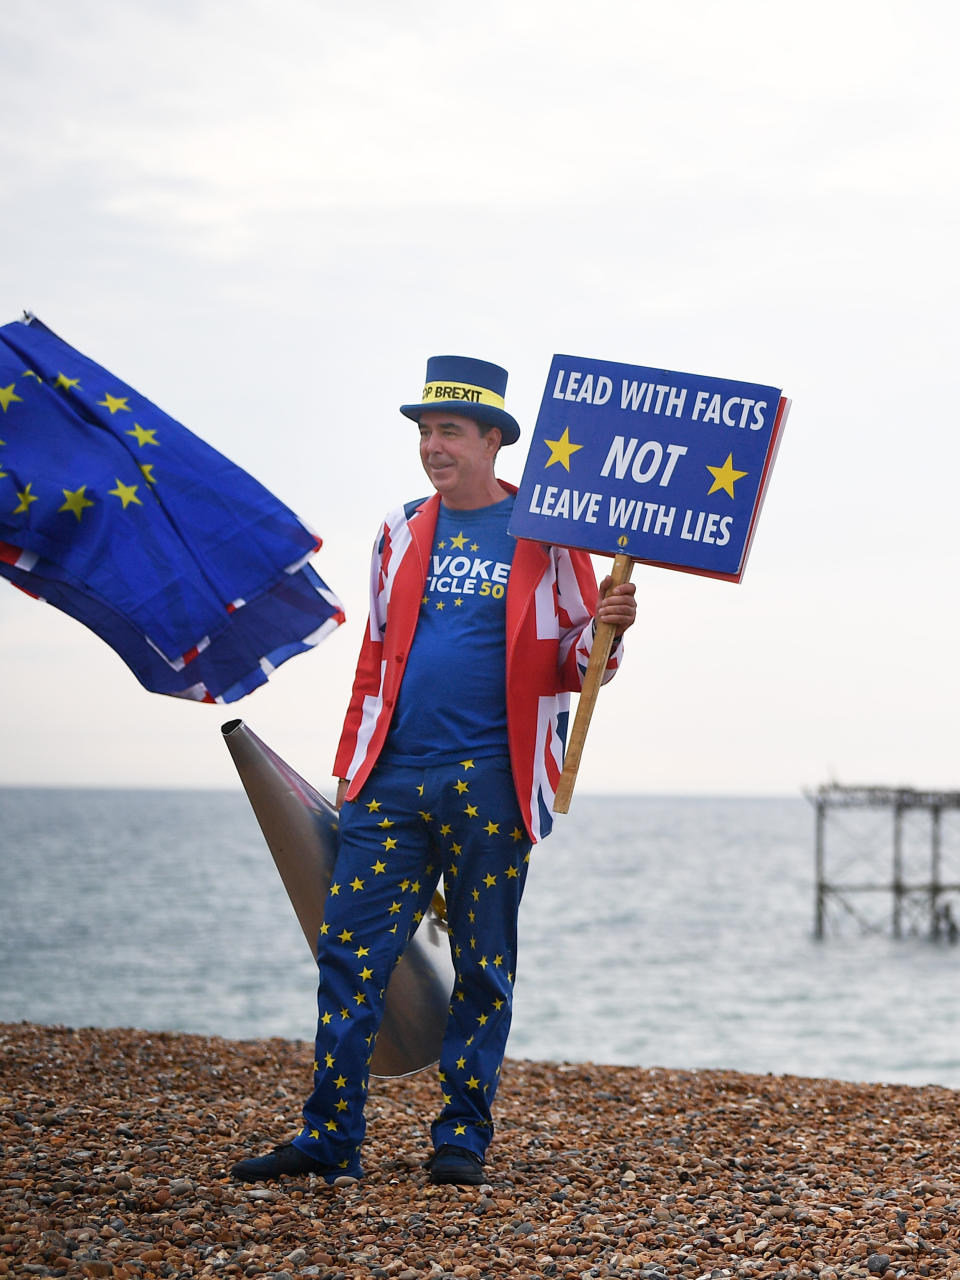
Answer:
[(457, 458)]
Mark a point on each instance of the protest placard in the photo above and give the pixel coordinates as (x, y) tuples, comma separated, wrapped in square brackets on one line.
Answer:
[(668, 468)]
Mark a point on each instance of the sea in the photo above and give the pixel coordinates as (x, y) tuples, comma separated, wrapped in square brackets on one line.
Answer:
[(673, 932)]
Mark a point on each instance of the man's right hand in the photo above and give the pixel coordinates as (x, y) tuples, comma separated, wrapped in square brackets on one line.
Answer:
[(342, 785)]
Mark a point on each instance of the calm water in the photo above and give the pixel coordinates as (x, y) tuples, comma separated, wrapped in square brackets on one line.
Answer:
[(669, 932)]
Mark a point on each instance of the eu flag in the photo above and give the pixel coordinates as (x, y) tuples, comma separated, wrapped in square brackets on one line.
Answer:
[(120, 516)]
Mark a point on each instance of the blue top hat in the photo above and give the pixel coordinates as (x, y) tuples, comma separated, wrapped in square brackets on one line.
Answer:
[(473, 388)]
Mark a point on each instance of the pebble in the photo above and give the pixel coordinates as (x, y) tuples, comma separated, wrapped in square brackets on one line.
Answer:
[(115, 1150)]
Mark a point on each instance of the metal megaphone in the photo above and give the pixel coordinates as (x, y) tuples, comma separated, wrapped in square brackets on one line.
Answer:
[(300, 828)]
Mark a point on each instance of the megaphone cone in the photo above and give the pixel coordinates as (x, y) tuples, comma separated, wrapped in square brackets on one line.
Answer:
[(300, 828)]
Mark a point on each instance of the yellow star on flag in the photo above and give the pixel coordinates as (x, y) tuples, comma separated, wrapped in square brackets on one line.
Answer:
[(724, 477), (147, 469), (560, 450), (127, 493), (7, 397), (25, 499), (114, 403), (65, 383), (76, 500), (142, 435), (492, 828)]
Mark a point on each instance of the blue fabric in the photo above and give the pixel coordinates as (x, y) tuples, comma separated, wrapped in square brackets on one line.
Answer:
[(408, 827), (126, 520), (453, 697)]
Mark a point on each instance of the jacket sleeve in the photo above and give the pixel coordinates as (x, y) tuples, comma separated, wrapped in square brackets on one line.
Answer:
[(576, 602), (368, 677)]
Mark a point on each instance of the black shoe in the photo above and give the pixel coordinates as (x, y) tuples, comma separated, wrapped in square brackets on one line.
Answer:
[(455, 1165), (290, 1161)]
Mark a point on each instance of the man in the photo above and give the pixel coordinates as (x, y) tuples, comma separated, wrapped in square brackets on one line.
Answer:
[(448, 763)]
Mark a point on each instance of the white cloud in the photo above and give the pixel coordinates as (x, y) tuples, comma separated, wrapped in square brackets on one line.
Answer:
[(267, 215)]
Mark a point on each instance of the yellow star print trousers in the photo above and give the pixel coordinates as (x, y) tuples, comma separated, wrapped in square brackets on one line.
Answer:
[(407, 828)]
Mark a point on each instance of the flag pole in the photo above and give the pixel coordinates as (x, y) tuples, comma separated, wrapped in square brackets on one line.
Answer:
[(599, 656)]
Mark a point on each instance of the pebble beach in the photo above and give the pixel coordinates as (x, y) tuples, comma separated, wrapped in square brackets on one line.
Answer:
[(117, 1145)]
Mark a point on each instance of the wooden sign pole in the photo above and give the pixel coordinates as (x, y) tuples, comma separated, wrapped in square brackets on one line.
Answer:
[(599, 656)]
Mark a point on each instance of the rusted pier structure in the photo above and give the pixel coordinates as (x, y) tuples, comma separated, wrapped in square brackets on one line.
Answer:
[(925, 898)]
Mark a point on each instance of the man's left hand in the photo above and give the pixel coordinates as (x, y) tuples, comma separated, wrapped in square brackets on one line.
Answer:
[(617, 605)]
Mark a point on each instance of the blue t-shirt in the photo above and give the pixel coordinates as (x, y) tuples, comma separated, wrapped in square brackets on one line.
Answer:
[(452, 700)]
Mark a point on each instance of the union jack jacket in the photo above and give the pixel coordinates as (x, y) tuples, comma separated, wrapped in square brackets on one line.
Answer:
[(551, 595)]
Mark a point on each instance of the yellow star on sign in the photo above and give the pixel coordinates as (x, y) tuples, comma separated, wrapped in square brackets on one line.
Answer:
[(724, 477), (113, 403), (7, 397), (560, 450), (127, 493), (142, 435), (76, 500), (459, 541)]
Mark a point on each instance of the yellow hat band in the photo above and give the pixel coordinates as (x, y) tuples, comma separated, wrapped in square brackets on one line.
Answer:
[(444, 391)]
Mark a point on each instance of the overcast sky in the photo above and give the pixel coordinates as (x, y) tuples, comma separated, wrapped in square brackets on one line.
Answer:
[(267, 214)]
